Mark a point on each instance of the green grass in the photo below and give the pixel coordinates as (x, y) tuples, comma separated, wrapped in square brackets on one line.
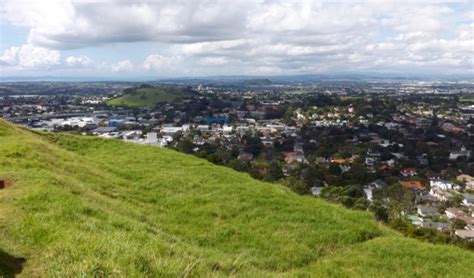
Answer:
[(84, 206), (467, 98), (296, 91), (148, 97)]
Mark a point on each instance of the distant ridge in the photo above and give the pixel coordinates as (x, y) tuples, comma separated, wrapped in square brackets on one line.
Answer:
[(245, 78)]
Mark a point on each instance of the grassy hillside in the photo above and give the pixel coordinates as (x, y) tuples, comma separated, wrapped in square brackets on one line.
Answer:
[(148, 97), (89, 206)]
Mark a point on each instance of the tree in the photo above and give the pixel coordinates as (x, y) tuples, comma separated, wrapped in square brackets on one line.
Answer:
[(312, 176), (361, 203), (458, 224), (334, 169), (386, 155), (358, 173), (379, 210), (185, 146), (400, 200), (296, 185), (332, 193), (354, 191), (274, 172), (239, 165), (457, 200), (253, 144)]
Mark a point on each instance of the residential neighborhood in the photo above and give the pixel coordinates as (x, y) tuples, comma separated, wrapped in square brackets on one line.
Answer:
[(368, 141)]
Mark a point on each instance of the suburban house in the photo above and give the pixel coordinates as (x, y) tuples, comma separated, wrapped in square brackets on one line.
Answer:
[(413, 185), (316, 190), (465, 178), (368, 193), (455, 213), (291, 157), (425, 211), (468, 200), (409, 172), (454, 155), (378, 184), (465, 234), (470, 185), (442, 227), (441, 184), (171, 130), (440, 194), (103, 130), (423, 160), (245, 157)]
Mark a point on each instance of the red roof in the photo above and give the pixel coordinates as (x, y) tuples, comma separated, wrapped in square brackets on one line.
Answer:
[(413, 185)]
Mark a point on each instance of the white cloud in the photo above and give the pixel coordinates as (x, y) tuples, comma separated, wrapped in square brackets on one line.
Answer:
[(122, 66), (29, 56), (255, 37), (81, 60), (214, 61), (160, 63), (74, 24)]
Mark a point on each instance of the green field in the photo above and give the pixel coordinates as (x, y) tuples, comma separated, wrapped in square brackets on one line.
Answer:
[(83, 206), (467, 98), (148, 97)]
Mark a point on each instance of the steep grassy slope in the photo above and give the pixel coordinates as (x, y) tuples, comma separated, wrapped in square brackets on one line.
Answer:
[(87, 206), (148, 97)]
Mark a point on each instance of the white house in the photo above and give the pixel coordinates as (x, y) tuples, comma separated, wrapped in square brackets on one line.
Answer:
[(316, 191), (462, 153), (440, 194), (227, 129), (186, 127), (203, 128), (441, 184), (151, 138), (368, 193), (170, 130)]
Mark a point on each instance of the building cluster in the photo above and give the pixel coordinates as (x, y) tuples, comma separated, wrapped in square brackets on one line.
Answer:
[(431, 210), (367, 136)]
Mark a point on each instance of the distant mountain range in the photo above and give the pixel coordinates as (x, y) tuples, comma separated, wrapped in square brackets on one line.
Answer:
[(249, 79)]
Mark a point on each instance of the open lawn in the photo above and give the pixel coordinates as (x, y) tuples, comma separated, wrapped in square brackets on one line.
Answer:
[(82, 206)]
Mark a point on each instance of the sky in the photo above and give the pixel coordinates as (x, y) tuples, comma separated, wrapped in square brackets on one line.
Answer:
[(178, 38)]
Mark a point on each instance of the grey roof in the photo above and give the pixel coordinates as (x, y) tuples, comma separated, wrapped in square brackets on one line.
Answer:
[(378, 183), (435, 225), (469, 198), (427, 210), (104, 129)]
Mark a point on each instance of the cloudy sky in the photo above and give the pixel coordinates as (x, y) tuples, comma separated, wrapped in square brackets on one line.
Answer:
[(197, 38)]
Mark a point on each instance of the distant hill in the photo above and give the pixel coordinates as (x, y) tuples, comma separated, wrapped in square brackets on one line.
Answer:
[(83, 206), (148, 96), (257, 82), (222, 81)]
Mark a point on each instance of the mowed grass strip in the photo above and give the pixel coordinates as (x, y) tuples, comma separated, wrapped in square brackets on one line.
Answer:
[(94, 207)]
